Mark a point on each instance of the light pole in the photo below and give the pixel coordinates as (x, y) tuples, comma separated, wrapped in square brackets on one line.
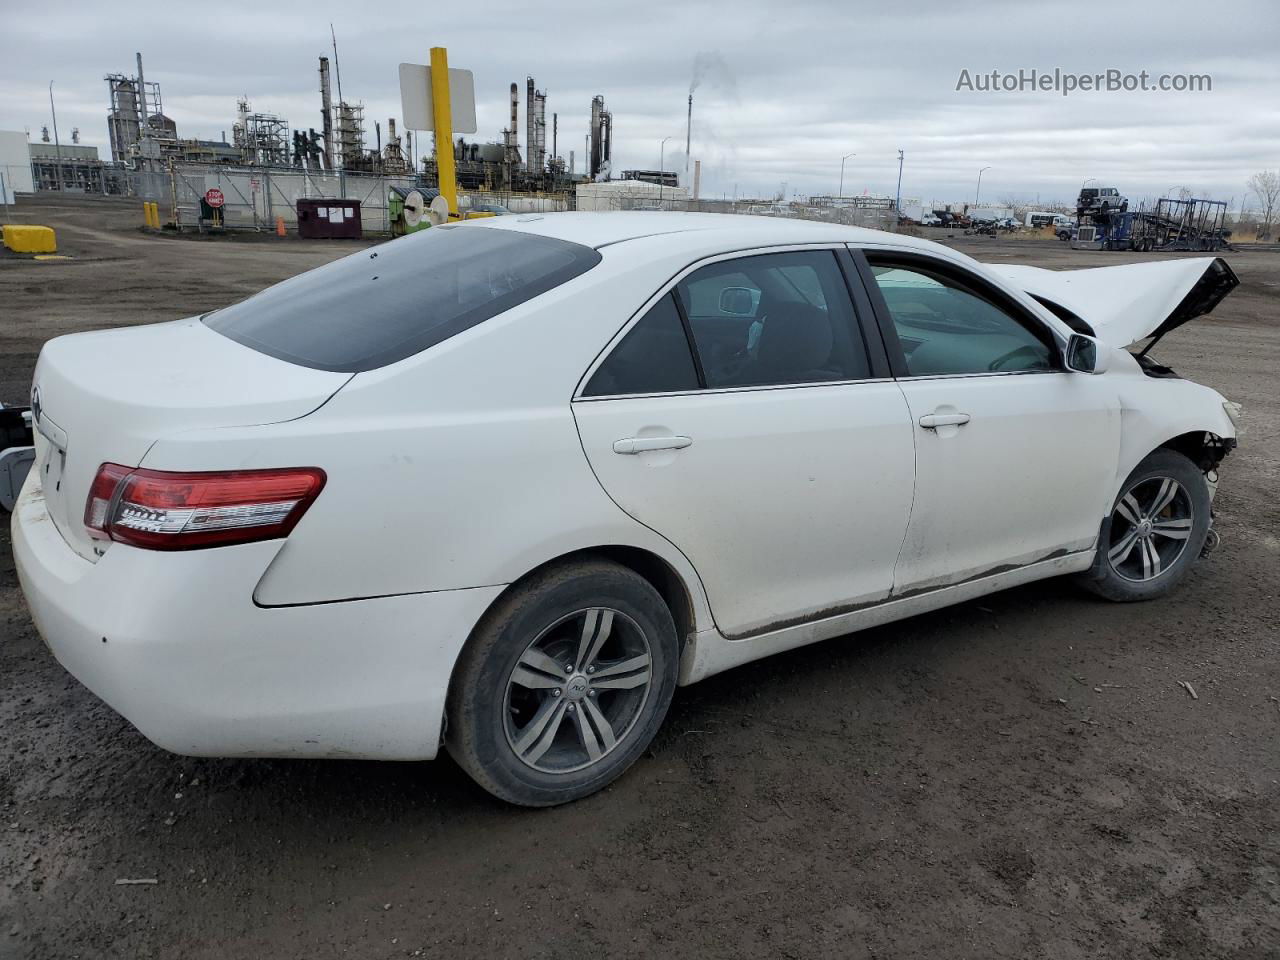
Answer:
[(979, 189), (57, 147), (897, 204), (842, 160), (662, 173)]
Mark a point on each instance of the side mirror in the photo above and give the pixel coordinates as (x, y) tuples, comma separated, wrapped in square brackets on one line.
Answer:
[(737, 301), (1085, 354)]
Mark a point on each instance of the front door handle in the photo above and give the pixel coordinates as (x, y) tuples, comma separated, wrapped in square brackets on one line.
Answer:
[(632, 445), (932, 421)]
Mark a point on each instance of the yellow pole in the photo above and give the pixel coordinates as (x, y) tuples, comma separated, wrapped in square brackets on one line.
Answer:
[(443, 117)]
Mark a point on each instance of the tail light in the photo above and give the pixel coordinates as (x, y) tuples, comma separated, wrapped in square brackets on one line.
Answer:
[(163, 510)]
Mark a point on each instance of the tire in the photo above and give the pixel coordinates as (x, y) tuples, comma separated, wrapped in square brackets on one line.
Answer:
[(559, 632), (1147, 559)]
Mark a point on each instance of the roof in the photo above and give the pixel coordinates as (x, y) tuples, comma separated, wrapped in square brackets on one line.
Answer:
[(604, 228)]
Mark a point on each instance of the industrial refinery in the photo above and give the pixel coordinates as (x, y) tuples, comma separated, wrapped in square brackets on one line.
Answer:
[(524, 157)]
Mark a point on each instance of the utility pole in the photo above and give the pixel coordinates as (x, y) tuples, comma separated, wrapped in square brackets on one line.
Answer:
[(897, 204), (842, 160), (57, 147)]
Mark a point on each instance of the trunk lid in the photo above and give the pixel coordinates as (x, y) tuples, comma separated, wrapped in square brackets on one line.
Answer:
[(1128, 303), (108, 396)]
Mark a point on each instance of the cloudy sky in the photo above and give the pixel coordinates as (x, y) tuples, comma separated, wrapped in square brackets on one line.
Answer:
[(784, 89)]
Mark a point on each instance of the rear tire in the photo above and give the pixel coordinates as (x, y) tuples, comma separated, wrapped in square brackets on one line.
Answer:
[(563, 684), (1155, 531)]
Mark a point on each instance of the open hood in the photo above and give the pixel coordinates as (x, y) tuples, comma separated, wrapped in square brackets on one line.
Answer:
[(1131, 302)]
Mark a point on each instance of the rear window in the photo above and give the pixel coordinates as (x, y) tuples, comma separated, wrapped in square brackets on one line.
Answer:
[(397, 299)]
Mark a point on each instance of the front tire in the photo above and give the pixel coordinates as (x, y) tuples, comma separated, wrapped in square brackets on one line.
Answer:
[(563, 684), (1155, 531)]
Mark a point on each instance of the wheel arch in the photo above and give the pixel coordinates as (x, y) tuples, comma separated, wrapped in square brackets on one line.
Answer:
[(676, 593), (1204, 448)]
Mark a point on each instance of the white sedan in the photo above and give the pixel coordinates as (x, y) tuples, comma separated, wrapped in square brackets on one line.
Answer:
[(504, 485)]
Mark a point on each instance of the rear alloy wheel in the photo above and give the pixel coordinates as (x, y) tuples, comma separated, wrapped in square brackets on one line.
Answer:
[(577, 690), (563, 684), (1155, 531)]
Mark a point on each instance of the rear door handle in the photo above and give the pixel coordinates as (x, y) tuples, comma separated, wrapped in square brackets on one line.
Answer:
[(932, 421), (632, 445)]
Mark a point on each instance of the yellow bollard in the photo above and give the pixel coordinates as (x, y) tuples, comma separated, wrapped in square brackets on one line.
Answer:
[(146, 214), (155, 215)]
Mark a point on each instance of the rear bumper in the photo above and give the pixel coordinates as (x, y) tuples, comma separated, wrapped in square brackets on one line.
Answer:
[(175, 644)]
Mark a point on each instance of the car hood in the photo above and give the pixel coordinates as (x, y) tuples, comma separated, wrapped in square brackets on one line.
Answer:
[(1128, 303)]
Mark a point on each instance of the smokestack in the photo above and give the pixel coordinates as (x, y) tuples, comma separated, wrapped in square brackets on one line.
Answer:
[(143, 122), (555, 130), (697, 178), (688, 137), (326, 113), (530, 134)]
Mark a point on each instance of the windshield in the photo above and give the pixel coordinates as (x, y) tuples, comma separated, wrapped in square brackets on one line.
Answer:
[(397, 299)]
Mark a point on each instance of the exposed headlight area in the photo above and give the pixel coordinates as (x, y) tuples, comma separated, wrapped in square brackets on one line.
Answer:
[(1234, 412), (164, 510)]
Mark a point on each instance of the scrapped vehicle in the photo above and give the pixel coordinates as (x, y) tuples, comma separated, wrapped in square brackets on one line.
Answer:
[(503, 485)]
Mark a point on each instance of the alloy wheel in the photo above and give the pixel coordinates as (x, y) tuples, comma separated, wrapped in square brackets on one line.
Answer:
[(577, 690), (1150, 528)]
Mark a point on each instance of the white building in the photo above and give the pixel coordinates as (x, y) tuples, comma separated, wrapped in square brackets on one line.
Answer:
[(15, 164), (629, 195)]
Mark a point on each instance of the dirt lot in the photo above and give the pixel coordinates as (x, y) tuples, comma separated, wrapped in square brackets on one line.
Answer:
[(1017, 777)]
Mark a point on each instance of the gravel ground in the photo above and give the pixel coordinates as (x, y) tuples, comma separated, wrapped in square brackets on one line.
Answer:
[(1022, 776)]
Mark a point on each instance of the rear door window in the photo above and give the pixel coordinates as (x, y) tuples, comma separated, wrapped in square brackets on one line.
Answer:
[(654, 357), (397, 299), (778, 318)]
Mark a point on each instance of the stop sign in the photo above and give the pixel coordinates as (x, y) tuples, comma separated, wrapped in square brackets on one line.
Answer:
[(214, 198)]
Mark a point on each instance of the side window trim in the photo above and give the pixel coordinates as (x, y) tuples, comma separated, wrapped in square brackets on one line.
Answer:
[(967, 282), (867, 316), (892, 346), (688, 335)]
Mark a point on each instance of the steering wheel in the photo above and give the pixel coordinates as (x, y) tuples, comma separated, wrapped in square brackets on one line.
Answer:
[(1023, 350)]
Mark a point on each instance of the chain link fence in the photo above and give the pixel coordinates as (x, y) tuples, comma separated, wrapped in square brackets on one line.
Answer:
[(255, 197), (875, 218)]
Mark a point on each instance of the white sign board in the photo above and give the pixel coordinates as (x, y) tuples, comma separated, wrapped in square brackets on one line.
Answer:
[(417, 106)]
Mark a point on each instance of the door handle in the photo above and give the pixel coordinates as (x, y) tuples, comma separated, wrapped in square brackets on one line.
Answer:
[(932, 421), (633, 445)]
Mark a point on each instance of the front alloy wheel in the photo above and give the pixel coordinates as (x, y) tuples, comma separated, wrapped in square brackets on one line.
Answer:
[(1149, 529), (1155, 531)]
